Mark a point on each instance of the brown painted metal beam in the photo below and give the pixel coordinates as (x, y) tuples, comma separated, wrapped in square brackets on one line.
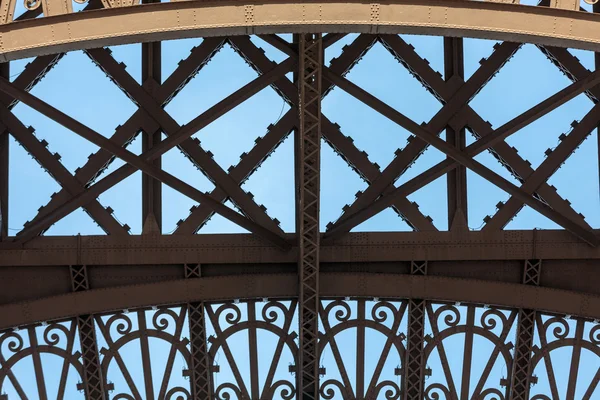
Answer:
[(456, 180), (285, 286), (151, 188), (200, 362), (522, 369), (93, 381), (141, 162), (465, 157), (4, 164), (415, 362), (308, 234), (162, 21), (233, 249)]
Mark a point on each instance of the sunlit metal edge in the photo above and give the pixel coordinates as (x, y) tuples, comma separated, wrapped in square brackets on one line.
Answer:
[(173, 20)]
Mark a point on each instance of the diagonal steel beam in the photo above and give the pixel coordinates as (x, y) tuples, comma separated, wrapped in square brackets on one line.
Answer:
[(50, 162), (351, 54), (465, 158), (240, 173), (570, 66), (505, 154), (559, 155), (369, 171), (281, 44), (456, 101), (190, 147), (124, 134), (27, 79), (141, 162)]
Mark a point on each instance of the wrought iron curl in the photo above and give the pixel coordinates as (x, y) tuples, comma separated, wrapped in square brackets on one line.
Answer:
[(342, 310), (540, 397), (560, 331), (328, 389), (490, 318), (450, 314), (285, 389), (390, 389), (178, 393), (435, 390), (382, 311), (223, 391), (14, 341), (52, 334), (163, 317), (230, 311), (273, 311), (121, 322)]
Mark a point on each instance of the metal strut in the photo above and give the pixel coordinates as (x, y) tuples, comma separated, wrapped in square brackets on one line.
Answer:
[(521, 371), (414, 377), (151, 188), (93, 383), (200, 364), (309, 105)]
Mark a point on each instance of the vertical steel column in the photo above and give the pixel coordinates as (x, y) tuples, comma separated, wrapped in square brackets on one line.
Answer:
[(310, 65), (414, 363), (521, 368), (93, 381), (4, 143), (457, 178), (151, 188), (200, 364)]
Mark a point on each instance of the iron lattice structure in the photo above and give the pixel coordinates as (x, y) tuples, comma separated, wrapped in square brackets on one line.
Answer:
[(308, 314)]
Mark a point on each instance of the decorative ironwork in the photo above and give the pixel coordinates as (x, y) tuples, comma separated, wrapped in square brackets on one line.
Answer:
[(253, 347)]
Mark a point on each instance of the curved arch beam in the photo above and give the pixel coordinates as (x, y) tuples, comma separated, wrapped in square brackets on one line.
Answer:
[(286, 286), (163, 21)]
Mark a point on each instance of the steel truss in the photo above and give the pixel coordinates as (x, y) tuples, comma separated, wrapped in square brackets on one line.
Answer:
[(315, 287)]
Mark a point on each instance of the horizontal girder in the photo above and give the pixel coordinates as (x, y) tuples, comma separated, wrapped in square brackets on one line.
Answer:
[(285, 286), (245, 248), (163, 21)]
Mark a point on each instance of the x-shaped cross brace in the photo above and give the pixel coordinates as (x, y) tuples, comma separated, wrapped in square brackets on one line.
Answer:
[(465, 158), (506, 154), (176, 138), (125, 133), (350, 56)]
